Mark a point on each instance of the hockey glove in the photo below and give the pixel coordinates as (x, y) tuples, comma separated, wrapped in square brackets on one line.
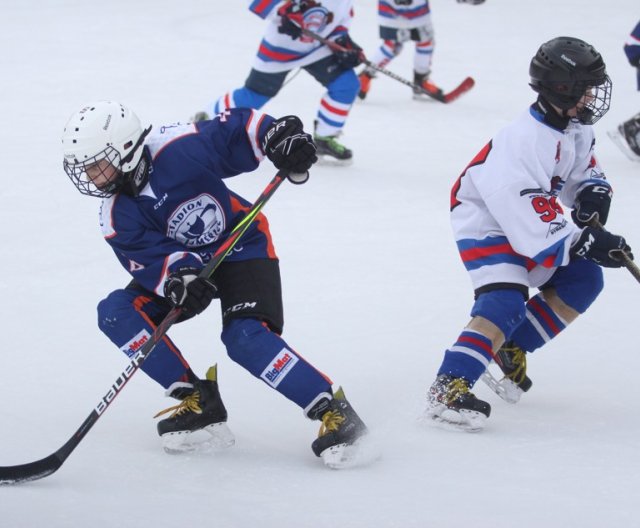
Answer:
[(593, 202), (351, 55), (472, 2), (292, 17), (290, 148), (601, 247), (192, 293)]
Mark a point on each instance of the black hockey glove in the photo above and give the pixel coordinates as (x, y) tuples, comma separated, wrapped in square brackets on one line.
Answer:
[(601, 247), (593, 202), (192, 293), (290, 148), (352, 54), (472, 2), (292, 17)]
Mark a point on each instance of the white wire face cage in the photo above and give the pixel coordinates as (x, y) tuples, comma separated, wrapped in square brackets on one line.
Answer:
[(93, 178)]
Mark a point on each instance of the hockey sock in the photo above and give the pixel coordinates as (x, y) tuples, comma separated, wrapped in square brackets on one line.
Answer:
[(541, 324), (266, 355), (422, 57), (468, 358), (336, 103)]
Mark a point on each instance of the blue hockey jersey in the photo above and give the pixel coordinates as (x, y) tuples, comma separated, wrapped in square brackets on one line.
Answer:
[(186, 211)]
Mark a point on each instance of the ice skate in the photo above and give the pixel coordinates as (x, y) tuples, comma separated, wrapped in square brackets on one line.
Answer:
[(200, 116), (343, 438), (451, 404), (198, 422), (365, 83), (332, 152), (627, 137), (515, 381), (423, 81)]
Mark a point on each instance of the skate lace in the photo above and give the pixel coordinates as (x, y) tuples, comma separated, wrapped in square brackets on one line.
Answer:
[(331, 421), (190, 404), (519, 362), (457, 387)]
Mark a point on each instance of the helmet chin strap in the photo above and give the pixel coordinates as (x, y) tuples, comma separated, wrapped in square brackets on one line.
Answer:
[(132, 152)]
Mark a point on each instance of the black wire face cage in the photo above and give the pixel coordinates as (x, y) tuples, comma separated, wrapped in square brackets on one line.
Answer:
[(77, 173), (598, 101)]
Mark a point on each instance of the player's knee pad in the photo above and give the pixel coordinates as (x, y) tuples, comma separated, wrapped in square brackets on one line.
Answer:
[(391, 48), (117, 306), (262, 86), (505, 308), (345, 87), (578, 284), (245, 339)]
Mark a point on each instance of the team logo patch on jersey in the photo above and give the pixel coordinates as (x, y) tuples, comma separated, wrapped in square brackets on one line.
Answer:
[(197, 222), (279, 367), (135, 344)]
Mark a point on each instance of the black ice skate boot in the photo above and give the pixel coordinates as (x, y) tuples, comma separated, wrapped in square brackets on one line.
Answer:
[(200, 411), (450, 402), (513, 361), (330, 151), (422, 80), (630, 130), (338, 442)]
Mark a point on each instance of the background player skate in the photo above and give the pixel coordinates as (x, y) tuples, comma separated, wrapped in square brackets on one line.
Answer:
[(165, 211), (512, 233), (284, 49), (627, 136), (402, 21)]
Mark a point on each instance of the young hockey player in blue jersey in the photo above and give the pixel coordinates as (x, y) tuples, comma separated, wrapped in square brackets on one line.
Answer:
[(402, 21), (165, 211), (627, 136), (284, 48), (513, 234)]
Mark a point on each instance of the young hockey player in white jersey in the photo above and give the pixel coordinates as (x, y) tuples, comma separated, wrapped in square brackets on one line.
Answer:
[(513, 234), (627, 136), (166, 210), (402, 21), (284, 48)]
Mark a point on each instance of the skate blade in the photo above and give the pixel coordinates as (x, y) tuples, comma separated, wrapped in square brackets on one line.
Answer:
[(463, 420), (362, 452), (622, 144), (505, 388), (214, 437), (329, 161)]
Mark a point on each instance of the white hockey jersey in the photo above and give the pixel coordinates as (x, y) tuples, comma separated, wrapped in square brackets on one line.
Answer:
[(404, 14), (279, 52), (505, 212)]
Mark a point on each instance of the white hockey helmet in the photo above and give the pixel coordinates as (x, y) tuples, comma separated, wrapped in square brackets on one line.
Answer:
[(102, 130)]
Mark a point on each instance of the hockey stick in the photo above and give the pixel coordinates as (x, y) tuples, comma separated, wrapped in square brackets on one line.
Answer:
[(48, 465), (443, 97)]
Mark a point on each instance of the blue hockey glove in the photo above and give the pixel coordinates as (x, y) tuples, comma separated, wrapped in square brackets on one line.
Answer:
[(602, 247), (593, 202), (192, 293), (352, 54), (290, 148)]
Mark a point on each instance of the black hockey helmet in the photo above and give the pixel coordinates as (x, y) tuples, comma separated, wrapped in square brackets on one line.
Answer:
[(564, 70)]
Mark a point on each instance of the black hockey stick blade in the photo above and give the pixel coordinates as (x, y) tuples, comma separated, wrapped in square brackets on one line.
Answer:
[(31, 471)]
